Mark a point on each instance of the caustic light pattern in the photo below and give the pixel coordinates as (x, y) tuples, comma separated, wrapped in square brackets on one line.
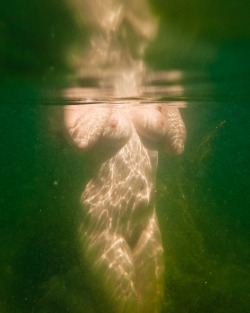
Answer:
[(119, 232)]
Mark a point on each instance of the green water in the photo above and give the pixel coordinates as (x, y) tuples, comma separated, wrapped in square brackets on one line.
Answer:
[(206, 217), (202, 195), (202, 205)]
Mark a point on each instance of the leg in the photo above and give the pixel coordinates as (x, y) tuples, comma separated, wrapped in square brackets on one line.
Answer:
[(110, 259), (149, 268)]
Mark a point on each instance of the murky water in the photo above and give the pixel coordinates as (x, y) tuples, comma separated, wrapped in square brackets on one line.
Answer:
[(101, 209)]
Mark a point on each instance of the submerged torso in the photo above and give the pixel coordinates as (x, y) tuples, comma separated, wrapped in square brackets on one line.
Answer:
[(120, 198)]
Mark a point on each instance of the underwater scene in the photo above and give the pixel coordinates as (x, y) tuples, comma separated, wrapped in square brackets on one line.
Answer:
[(124, 156)]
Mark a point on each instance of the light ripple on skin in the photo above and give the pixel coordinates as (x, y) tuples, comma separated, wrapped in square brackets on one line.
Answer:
[(119, 233)]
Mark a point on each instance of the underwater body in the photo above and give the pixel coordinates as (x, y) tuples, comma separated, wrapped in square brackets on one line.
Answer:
[(119, 232), (200, 197)]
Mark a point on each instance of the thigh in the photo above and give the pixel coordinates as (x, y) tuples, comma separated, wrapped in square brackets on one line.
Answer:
[(112, 275), (149, 268)]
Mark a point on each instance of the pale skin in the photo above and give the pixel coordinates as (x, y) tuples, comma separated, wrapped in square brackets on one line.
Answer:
[(119, 233)]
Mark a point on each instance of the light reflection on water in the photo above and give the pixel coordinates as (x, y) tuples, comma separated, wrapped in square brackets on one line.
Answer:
[(172, 87), (158, 86)]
